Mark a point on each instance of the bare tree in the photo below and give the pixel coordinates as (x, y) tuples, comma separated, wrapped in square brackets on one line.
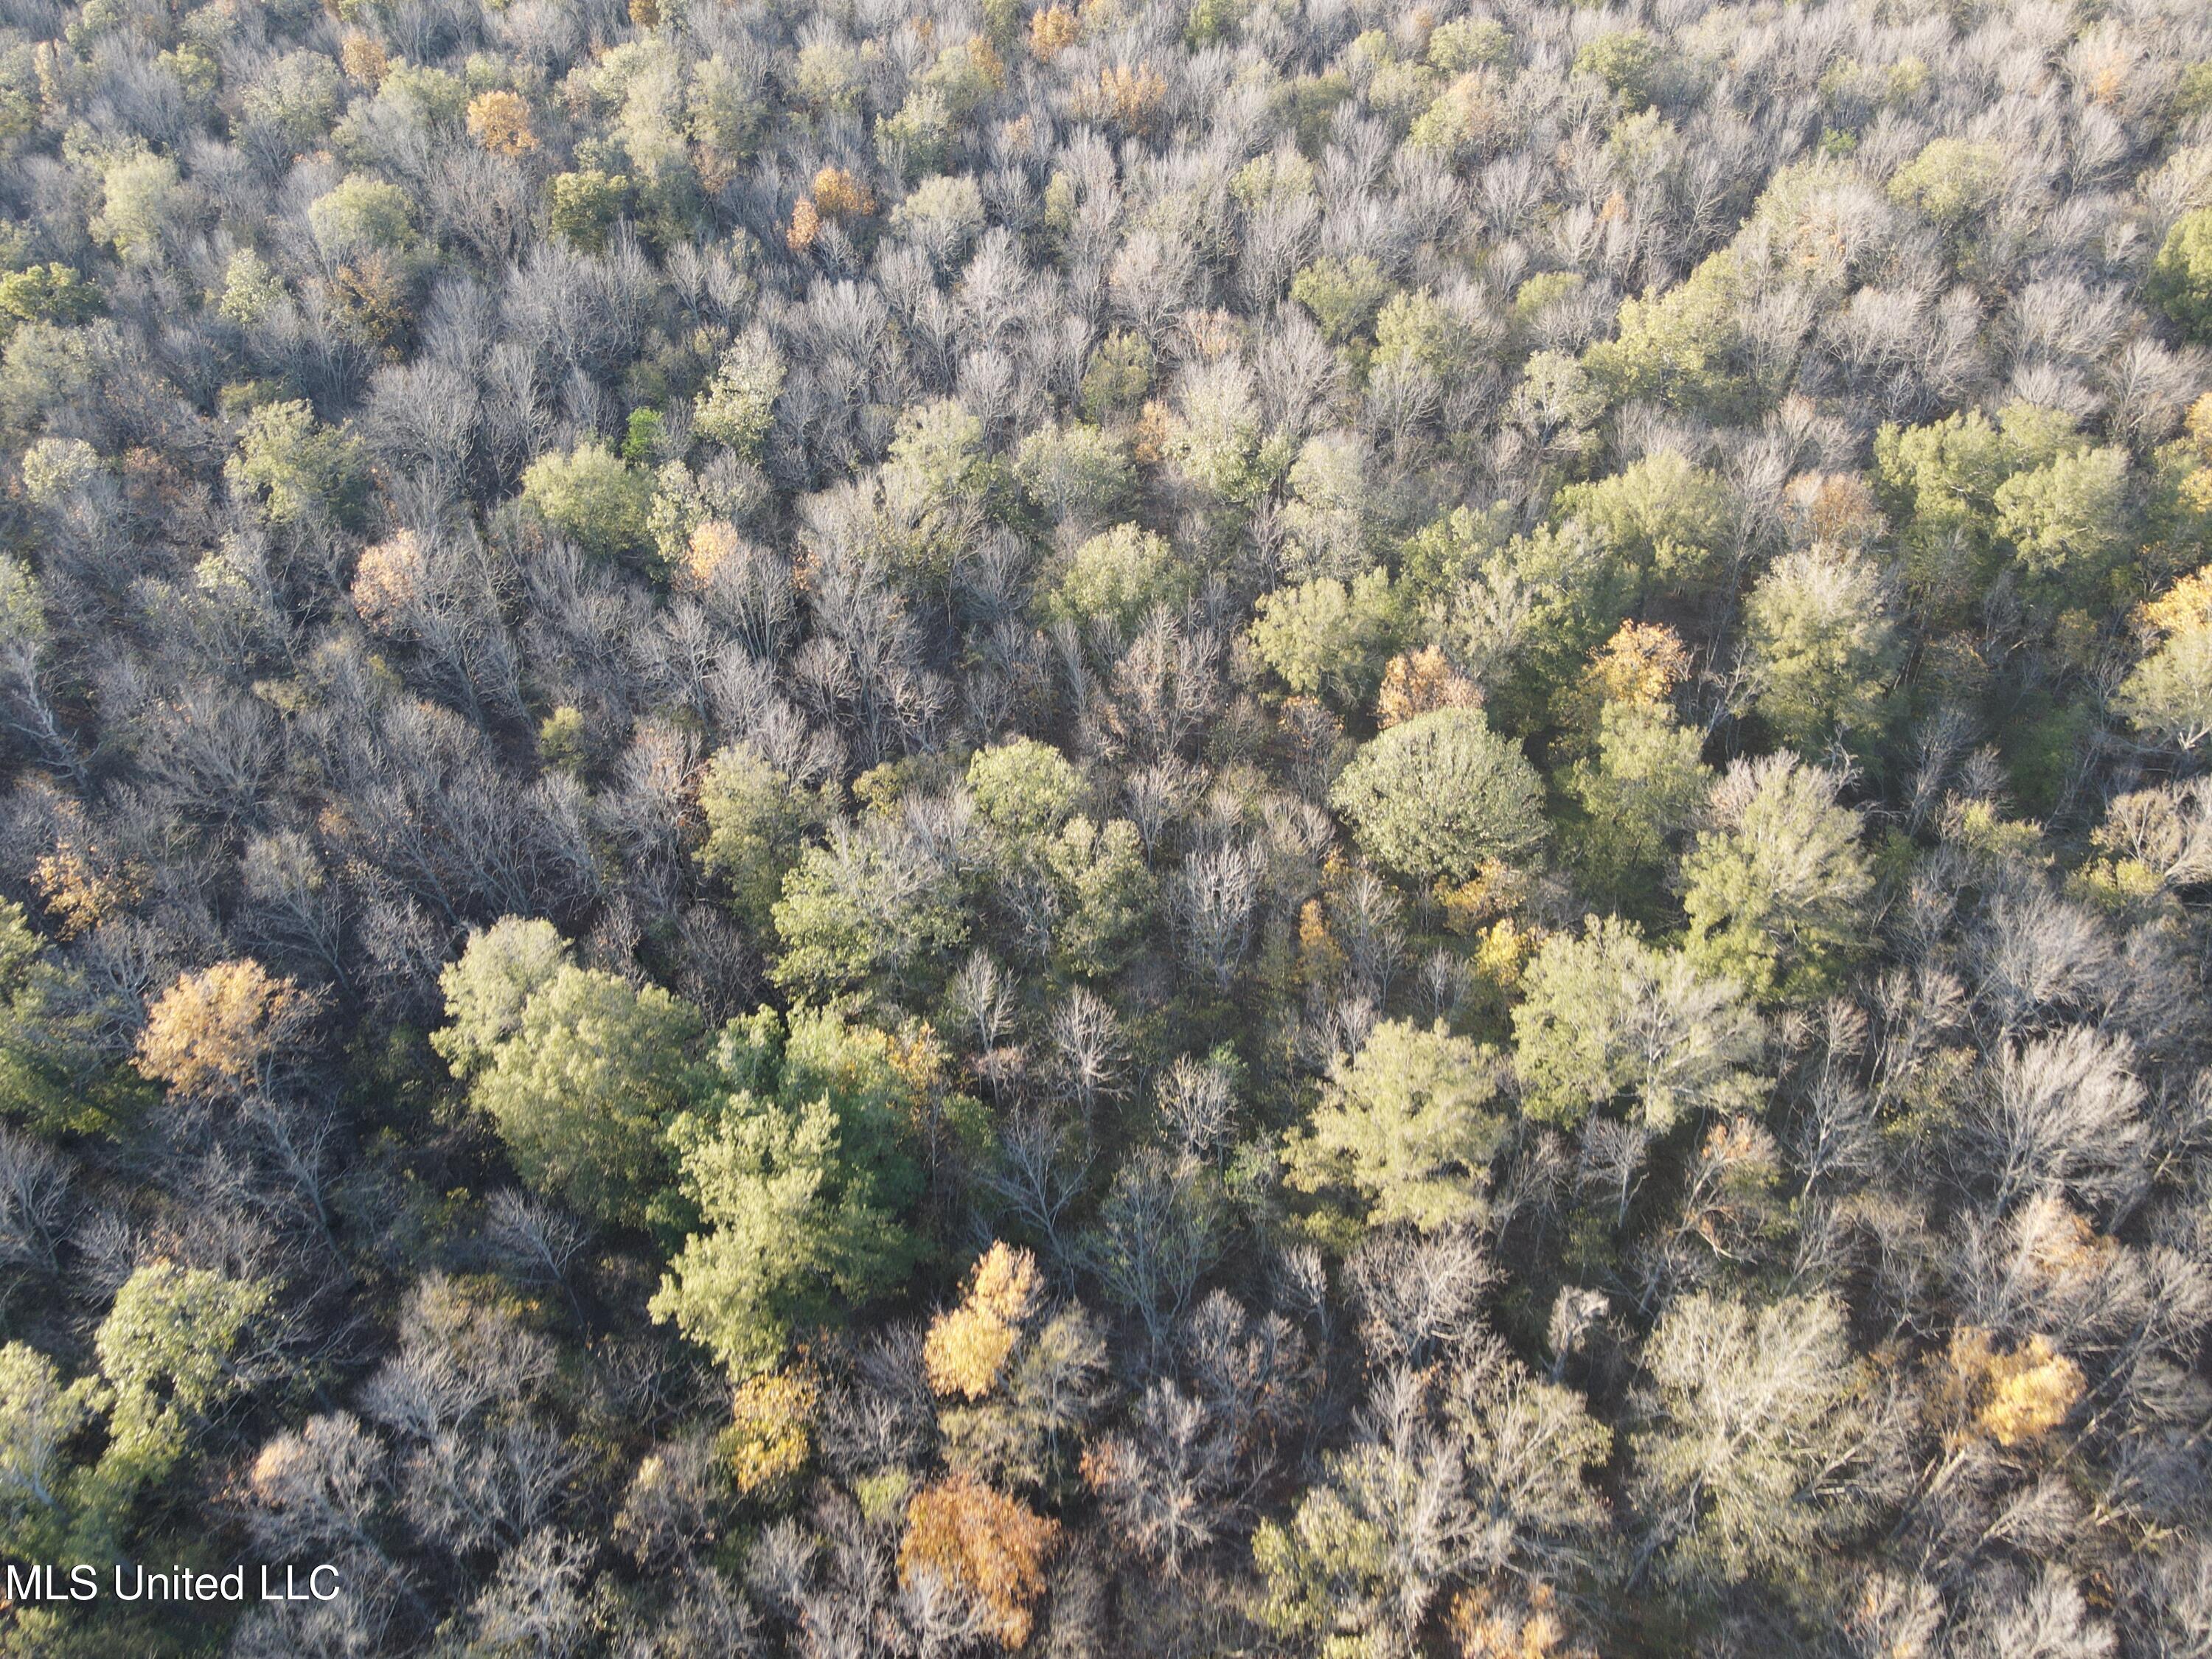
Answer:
[(1088, 1051), (540, 1239), (1212, 897), (35, 1203)]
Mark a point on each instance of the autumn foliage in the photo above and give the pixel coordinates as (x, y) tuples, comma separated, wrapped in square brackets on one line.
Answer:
[(219, 1030), (2017, 1397), (769, 1437), (967, 1344), (500, 121), (989, 1545)]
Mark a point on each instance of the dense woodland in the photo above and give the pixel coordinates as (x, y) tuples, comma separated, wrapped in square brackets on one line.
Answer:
[(1270, 827)]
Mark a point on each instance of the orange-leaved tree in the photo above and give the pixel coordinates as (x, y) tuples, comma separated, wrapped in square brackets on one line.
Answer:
[(983, 1542)]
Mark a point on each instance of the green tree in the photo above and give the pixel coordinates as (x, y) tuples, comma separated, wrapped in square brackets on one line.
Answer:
[(427, 99), (1677, 345), (1115, 579), (46, 366), (1941, 482), (737, 408), (2168, 694), (1417, 330), (361, 215), (1640, 789), (1558, 404), (592, 496), (643, 79), (250, 287), (797, 1171), (1943, 478), (1821, 646), (1951, 181), (1626, 60), (867, 908), (757, 822), (1606, 1020), (1520, 616), (2067, 521), (1024, 790), (137, 193), (828, 75), (1209, 20), (166, 1350), (1215, 436), (642, 435), (39, 1416), (1343, 294), (54, 469), (1055, 876), (579, 1078), (166, 1356), (1325, 638), (168, 1353), (292, 472), (580, 1091), (1436, 560), (942, 215), (1106, 895), (1777, 891), (1408, 1126), (1330, 515), (1075, 471), (585, 204), (1467, 43), (724, 110), (47, 294), (51, 1072), (937, 451), (502, 968), (1117, 376), (293, 98), (1663, 515), (1440, 796), (2181, 281)]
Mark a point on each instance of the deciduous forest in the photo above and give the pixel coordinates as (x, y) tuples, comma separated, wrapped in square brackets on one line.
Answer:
[(898, 829)]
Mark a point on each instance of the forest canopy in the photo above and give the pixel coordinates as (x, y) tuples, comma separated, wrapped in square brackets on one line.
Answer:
[(1304, 829)]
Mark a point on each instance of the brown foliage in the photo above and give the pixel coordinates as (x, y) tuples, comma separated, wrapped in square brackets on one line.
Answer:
[(771, 1430), (500, 121), (1486, 1625), (82, 883), (1131, 95), (713, 544), (363, 59), (1052, 31), (1415, 684), (1833, 509), (839, 195), (805, 225), (388, 581), (370, 299), (989, 1545), (1641, 663)]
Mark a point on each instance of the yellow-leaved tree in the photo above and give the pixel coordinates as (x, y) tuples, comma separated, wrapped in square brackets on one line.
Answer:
[(226, 1032), (967, 1345)]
